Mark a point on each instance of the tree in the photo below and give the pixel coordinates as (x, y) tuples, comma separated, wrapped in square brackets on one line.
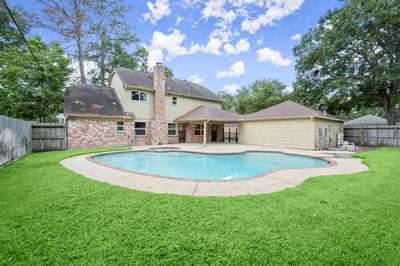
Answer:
[(68, 18), (259, 95), (29, 90), (111, 34), (352, 58), (9, 34), (228, 100), (169, 73)]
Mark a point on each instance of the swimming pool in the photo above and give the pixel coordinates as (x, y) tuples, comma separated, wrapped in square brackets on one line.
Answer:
[(200, 166)]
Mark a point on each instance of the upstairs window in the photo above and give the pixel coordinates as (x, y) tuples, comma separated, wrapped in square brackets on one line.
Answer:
[(174, 100), (171, 129), (120, 126), (140, 129), (139, 96), (199, 130)]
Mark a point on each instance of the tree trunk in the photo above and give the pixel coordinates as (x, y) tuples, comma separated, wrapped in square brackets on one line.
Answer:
[(81, 62), (389, 108), (102, 56)]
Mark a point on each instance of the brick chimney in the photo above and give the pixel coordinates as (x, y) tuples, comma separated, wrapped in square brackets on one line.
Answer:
[(158, 124)]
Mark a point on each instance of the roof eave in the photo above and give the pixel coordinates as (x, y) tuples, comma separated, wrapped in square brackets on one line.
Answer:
[(205, 119), (125, 117), (169, 92), (289, 117)]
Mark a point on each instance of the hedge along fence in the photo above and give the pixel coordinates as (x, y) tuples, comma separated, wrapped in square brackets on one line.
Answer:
[(15, 139), (373, 135)]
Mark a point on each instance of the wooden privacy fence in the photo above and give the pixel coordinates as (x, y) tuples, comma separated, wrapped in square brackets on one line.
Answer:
[(373, 135), (48, 136), (15, 139)]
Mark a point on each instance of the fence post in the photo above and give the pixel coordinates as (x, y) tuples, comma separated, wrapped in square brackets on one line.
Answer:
[(395, 135), (362, 136)]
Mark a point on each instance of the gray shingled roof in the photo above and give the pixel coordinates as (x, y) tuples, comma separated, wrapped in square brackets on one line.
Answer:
[(136, 78), (367, 120), (86, 100), (285, 109), (207, 112)]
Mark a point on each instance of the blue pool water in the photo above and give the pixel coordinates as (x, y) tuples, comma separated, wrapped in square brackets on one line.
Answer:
[(206, 166)]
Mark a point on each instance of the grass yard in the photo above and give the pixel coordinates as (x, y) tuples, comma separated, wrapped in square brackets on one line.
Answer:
[(50, 215)]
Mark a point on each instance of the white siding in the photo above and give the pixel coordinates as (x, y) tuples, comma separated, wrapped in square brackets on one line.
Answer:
[(142, 110), (184, 105), (289, 133)]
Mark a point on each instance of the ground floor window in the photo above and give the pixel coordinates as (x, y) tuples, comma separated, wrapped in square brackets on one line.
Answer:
[(199, 130), (171, 129), (120, 126), (140, 129)]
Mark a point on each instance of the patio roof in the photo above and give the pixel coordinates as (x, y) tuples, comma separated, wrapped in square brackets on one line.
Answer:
[(210, 113)]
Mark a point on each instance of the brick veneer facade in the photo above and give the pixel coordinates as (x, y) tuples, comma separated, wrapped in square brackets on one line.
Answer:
[(98, 132), (101, 132), (158, 126), (192, 138)]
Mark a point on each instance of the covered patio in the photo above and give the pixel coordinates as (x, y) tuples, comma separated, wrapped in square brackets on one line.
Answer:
[(207, 122)]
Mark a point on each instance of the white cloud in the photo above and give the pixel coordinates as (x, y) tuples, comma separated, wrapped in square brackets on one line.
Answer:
[(216, 9), (272, 56), (159, 9), (91, 70), (276, 10), (296, 37), (197, 78), (178, 20), (236, 70), (231, 88), (212, 46), (260, 41), (241, 46), (171, 43)]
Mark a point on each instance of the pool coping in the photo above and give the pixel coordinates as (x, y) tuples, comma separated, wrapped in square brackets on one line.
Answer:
[(264, 183), (91, 156)]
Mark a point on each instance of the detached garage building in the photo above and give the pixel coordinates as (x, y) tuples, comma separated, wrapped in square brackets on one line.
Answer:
[(290, 125)]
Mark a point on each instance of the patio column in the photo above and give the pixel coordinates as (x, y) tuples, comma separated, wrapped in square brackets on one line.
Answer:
[(205, 134)]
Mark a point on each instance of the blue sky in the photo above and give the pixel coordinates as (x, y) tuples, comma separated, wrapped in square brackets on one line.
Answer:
[(222, 44)]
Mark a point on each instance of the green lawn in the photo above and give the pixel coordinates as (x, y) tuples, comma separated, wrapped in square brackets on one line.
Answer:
[(49, 215)]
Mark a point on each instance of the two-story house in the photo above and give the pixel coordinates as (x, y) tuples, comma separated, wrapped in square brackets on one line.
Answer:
[(139, 108)]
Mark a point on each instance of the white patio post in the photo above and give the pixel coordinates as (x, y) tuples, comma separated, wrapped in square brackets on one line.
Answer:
[(205, 134)]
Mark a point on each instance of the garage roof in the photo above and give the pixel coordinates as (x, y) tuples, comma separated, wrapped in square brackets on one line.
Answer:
[(367, 120), (285, 110)]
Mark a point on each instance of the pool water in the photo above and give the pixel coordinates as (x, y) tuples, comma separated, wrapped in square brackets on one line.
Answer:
[(200, 166)]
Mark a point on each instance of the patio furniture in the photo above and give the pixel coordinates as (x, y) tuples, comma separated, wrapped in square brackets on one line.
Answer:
[(348, 146)]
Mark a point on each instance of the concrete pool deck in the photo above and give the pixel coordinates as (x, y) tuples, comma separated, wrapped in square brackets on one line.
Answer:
[(262, 184)]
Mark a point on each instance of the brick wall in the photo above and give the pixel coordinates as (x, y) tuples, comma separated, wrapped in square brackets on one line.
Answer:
[(97, 132), (158, 125), (192, 138)]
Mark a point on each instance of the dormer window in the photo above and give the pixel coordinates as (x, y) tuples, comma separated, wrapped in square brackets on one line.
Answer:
[(139, 96), (174, 100)]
